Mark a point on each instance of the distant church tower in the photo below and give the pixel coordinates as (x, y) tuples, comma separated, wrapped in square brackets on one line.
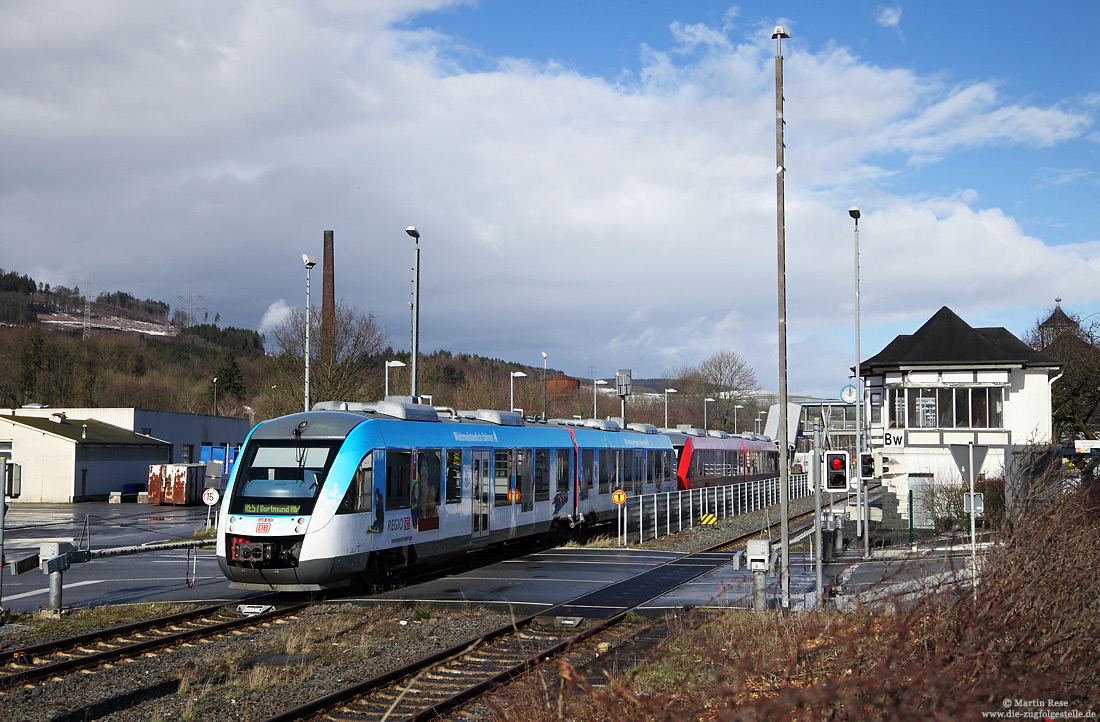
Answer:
[(1058, 323)]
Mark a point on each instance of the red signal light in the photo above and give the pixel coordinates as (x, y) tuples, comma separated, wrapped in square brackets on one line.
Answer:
[(837, 462)]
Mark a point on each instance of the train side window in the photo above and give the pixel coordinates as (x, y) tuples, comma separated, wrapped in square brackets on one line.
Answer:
[(360, 490), (524, 479), (365, 478), (628, 471), (502, 477), (608, 469), (398, 480), (589, 470), (427, 477), (563, 470), (541, 474), (454, 475)]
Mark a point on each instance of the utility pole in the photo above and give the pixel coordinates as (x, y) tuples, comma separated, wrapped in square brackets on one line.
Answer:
[(778, 34)]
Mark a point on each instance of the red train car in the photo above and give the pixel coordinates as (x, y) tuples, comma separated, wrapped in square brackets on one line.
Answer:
[(718, 461)]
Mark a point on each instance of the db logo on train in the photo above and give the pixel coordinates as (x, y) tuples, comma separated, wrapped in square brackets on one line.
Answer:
[(619, 496)]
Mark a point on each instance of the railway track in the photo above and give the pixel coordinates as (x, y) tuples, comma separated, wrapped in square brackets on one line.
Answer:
[(48, 661), (436, 685)]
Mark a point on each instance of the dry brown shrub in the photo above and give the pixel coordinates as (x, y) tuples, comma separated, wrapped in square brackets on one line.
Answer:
[(1031, 633)]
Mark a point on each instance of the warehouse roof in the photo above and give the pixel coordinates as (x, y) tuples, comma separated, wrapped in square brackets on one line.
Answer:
[(84, 431)]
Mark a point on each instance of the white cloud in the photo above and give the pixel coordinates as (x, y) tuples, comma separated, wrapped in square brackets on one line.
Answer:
[(275, 316), (626, 224), (890, 17)]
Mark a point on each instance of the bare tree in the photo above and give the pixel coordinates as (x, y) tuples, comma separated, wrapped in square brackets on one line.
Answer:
[(354, 373), (724, 377)]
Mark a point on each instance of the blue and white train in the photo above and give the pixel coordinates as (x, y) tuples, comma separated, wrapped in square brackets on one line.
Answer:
[(357, 491)]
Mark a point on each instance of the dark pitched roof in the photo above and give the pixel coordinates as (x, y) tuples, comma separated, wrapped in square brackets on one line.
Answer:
[(1059, 318), (97, 433), (947, 340)]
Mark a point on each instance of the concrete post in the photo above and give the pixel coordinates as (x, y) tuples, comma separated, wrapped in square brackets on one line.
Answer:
[(759, 598), (55, 590)]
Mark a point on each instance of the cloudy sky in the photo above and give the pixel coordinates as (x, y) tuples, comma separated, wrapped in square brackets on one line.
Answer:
[(595, 180)]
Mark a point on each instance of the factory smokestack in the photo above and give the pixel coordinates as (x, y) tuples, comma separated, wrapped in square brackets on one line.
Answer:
[(328, 308)]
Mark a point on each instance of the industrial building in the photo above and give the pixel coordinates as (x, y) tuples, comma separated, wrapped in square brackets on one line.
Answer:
[(64, 455)]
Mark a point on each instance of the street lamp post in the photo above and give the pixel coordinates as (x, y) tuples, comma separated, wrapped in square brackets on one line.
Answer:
[(667, 392), (595, 383), (309, 263), (706, 401), (512, 384), (215, 396), (735, 408), (863, 522), (414, 385), (544, 386), (391, 365)]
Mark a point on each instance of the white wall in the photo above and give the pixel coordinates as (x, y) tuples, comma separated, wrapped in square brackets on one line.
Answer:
[(46, 460)]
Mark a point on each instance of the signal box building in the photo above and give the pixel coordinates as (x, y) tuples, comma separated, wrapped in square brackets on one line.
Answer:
[(947, 384)]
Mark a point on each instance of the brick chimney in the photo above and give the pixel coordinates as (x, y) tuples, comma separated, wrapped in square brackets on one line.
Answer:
[(328, 307)]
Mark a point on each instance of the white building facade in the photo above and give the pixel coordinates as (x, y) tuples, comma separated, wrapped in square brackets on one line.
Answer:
[(65, 460), (185, 432), (947, 384)]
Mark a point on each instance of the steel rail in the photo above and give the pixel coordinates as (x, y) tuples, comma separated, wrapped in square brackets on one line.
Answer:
[(127, 648)]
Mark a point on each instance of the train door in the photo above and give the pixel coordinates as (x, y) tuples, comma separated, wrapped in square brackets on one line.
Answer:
[(482, 462)]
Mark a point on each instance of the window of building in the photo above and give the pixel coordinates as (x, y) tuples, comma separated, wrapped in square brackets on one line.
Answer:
[(876, 407), (897, 408), (947, 408)]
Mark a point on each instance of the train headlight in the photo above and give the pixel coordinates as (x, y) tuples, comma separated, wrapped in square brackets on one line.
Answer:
[(299, 529), (232, 520), (300, 520)]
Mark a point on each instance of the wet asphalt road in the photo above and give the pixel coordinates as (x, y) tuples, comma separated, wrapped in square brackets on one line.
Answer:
[(152, 576)]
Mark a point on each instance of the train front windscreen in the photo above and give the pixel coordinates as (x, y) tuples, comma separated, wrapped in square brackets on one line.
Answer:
[(281, 479)]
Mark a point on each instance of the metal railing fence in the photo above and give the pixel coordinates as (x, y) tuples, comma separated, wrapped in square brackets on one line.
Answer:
[(652, 515)]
